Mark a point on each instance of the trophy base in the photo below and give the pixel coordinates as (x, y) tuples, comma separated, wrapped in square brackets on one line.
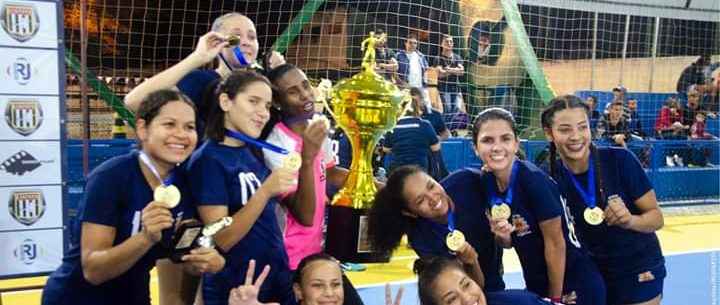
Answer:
[(347, 238)]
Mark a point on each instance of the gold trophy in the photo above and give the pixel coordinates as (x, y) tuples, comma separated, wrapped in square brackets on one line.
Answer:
[(365, 106)]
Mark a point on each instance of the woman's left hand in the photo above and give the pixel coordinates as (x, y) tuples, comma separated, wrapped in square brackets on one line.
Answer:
[(617, 214), (202, 260)]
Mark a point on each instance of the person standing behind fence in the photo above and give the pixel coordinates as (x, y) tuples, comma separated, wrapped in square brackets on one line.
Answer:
[(612, 201), (122, 230), (199, 84), (451, 72), (412, 64)]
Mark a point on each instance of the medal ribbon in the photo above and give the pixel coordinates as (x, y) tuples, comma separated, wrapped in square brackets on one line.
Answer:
[(146, 160), (451, 221), (496, 200), (257, 143), (588, 195)]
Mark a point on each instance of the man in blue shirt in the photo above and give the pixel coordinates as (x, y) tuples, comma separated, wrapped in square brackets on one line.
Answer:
[(411, 63)]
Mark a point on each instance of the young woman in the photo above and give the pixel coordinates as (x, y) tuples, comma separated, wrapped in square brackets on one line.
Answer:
[(613, 204), (121, 229), (319, 280), (228, 178), (413, 203), (527, 214)]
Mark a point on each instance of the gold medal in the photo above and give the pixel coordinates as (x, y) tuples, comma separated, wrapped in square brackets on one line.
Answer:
[(500, 211), (455, 240), (292, 161), (594, 216), (168, 195)]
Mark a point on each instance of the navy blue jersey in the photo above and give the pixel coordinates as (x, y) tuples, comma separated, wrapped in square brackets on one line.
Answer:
[(196, 86), (229, 176), (115, 195), (435, 118), (617, 251), (428, 238), (536, 199), (410, 142)]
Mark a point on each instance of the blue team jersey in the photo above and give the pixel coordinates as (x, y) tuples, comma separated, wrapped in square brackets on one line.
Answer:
[(195, 85), (536, 199), (115, 194), (224, 175), (435, 118), (428, 238), (410, 142), (618, 252)]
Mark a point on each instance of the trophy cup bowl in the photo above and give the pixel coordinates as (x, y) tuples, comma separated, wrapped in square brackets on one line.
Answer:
[(365, 106)]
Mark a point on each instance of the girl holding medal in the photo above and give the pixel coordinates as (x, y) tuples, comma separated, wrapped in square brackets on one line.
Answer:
[(229, 178), (122, 229), (613, 202), (526, 213), (436, 218)]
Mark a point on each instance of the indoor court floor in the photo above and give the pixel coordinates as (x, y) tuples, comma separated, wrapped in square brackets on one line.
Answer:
[(691, 245)]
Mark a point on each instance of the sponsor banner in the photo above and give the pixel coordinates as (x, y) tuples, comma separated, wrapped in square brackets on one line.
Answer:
[(35, 207), (27, 71), (30, 163), (28, 24), (29, 118), (30, 251)]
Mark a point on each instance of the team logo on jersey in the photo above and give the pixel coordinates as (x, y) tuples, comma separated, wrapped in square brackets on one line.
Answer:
[(27, 252), (521, 226), (20, 21), (21, 70), (26, 206), (24, 116), (21, 163)]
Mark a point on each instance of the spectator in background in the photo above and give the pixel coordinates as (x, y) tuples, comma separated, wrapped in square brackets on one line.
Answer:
[(413, 139), (385, 58), (694, 105), (697, 130), (591, 101), (634, 119), (613, 127), (450, 66), (669, 125), (693, 74), (412, 64), (619, 93)]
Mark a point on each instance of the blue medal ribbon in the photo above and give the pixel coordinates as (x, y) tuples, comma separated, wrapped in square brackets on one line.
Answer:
[(146, 160), (257, 143), (496, 200), (240, 56), (588, 195), (451, 221)]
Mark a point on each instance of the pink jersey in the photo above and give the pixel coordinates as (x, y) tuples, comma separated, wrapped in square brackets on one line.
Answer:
[(301, 241)]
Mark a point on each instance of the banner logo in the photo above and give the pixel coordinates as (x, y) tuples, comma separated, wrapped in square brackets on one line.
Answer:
[(27, 252), (24, 116), (21, 163), (26, 206), (20, 21)]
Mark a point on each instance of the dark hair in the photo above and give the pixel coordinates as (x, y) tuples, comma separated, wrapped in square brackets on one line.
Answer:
[(274, 76), (386, 221), (595, 100), (490, 114), (320, 256), (151, 105), (416, 110), (237, 82), (546, 119), (411, 35), (617, 102), (428, 269), (379, 31)]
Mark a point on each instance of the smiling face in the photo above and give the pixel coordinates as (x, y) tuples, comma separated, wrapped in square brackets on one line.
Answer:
[(454, 287), (244, 29), (570, 132), (250, 109), (321, 284), (170, 137), (299, 96), (425, 197), (496, 144)]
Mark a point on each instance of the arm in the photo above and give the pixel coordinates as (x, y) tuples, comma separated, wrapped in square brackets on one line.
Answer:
[(208, 47), (281, 180), (302, 203), (101, 261), (444, 135), (554, 254), (469, 257), (175, 286)]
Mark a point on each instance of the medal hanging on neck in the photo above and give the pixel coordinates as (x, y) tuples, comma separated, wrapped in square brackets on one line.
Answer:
[(501, 206), (593, 214), (165, 193), (455, 239), (292, 160)]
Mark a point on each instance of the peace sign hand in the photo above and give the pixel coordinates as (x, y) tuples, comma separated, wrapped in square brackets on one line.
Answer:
[(247, 294), (388, 295)]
